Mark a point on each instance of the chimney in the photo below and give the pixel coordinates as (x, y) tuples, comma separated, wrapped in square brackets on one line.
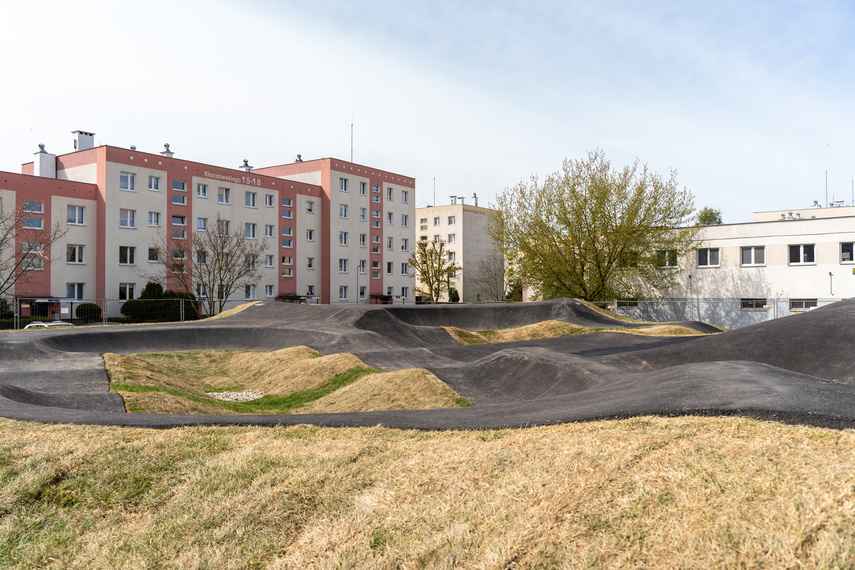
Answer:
[(453, 200), (299, 158), (44, 163), (166, 152), (245, 166), (83, 140), (462, 200), (475, 198)]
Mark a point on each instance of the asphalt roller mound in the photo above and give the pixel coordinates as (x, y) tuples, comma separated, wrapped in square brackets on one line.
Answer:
[(794, 369)]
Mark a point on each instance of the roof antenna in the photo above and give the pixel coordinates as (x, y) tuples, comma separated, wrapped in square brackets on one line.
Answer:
[(351, 137)]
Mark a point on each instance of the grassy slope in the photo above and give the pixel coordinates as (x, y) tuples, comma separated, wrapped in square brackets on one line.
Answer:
[(553, 329), (294, 379), (646, 492)]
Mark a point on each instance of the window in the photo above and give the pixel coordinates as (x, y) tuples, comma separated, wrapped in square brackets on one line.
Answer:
[(127, 218), (342, 184), (389, 290), (752, 255), (363, 188), (342, 266), (32, 223), (310, 207), (202, 224), (249, 199), (250, 230), (342, 210), (390, 268), (666, 258), (802, 304), (310, 235), (33, 207), (224, 196), (310, 263), (753, 304), (268, 290), (389, 194), (223, 227), (375, 224), (452, 238), (375, 188), (405, 196), (436, 221), (363, 266), (390, 243), (268, 230), (363, 214), (405, 244), (342, 238), (405, 292), (363, 240), (310, 290), (75, 215), (405, 221), (153, 255), (127, 181), (288, 232), (179, 234), (287, 214), (847, 252), (179, 199), (249, 292), (179, 220), (202, 257), (73, 253), (451, 256), (250, 261), (375, 265), (451, 220), (423, 238), (375, 213), (287, 242), (287, 202), (405, 268), (179, 254), (375, 249), (154, 183), (127, 255), (268, 260), (179, 186), (390, 218), (126, 291), (436, 238), (708, 257), (452, 274), (268, 200), (802, 254), (154, 219), (375, 199), (342, 293), (201, 291), (202, 190), (375, 239), (362, 291), (74, 291)]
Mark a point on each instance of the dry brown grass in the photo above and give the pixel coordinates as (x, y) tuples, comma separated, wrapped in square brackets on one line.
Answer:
[(181, 382), (642, 493), (232, 311), (607, 313), (553, 329)]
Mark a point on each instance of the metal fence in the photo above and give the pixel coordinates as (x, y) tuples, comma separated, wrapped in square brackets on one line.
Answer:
[(18, 313), (725, 313)]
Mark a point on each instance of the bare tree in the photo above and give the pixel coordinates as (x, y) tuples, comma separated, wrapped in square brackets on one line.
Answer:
[(432, 269), (212, 264), (490, 277), (25, 243)]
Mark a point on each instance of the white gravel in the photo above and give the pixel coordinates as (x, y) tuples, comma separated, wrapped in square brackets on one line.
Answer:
[(237, 396)]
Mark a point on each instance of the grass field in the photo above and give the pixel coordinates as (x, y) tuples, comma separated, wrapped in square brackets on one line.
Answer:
[(648, 492)]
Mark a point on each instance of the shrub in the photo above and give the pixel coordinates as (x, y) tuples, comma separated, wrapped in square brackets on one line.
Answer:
[(89, 312)]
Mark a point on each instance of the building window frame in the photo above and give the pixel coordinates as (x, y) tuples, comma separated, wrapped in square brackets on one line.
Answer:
[(708, 257)]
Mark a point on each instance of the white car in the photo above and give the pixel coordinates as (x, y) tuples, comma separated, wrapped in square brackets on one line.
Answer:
[(53, 324)]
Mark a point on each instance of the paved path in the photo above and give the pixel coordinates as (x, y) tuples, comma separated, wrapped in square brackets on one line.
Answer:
[(797, 369)]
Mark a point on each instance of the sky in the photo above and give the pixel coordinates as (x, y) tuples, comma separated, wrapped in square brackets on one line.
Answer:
[(749, 102)]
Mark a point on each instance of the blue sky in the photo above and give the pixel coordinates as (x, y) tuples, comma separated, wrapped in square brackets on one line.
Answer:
[(749, 102)]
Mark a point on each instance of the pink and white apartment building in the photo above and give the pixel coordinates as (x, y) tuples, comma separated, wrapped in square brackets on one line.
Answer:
[(334, 230)]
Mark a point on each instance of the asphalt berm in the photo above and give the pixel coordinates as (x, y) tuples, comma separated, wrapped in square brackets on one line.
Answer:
[(795, 369)]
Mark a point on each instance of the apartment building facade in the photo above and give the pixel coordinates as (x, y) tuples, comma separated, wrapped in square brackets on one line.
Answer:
[(118, 204), (464, 228), (781, 263)]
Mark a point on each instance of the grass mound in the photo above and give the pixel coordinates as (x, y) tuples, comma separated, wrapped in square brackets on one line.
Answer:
[(648, 492), (292, 379), (554, 329)]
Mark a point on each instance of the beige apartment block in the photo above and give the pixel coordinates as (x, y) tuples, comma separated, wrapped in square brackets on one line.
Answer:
[(464, 228)]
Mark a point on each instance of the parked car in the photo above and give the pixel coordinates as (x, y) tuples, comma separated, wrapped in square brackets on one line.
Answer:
[(52, 324)]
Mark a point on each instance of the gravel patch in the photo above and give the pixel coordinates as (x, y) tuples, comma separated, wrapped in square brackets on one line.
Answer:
[(237, 396)]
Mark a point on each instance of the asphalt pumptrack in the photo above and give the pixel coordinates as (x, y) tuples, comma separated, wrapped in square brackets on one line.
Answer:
[(797, 369)]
